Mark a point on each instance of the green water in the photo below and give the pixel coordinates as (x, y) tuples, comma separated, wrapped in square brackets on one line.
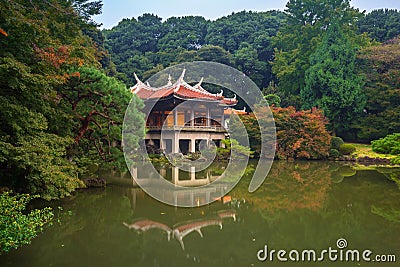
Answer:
[(301, 205)]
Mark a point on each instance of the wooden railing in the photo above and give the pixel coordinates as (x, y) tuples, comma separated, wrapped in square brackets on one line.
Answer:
[(213, 128)]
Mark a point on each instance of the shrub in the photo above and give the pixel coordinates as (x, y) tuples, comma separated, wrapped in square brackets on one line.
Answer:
[(193, 155), (273, 99), (233, 149), (387, 145), (336, 142), (395, 160), (17, 226), (299, 134), (334, 153), (347, 149)]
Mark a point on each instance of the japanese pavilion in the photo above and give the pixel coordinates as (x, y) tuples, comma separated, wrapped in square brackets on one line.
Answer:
[(182, 115)]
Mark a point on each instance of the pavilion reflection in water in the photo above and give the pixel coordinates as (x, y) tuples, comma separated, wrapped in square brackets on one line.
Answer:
[(189, 182), (181, 230)]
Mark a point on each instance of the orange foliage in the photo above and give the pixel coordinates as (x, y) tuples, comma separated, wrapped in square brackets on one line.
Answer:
[(301, 134), (2, 32), (55, 57)]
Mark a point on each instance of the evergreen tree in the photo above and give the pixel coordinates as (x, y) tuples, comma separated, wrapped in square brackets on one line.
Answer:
[(331, 82), (300, 37)]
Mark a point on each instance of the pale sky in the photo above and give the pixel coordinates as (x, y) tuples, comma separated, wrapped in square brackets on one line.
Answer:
[(115, 10)]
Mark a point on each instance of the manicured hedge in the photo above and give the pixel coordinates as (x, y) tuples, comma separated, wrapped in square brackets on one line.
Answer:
[(347, 149), (387, 145)]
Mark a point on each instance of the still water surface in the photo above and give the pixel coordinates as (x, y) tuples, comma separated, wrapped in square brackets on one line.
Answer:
[(301, 205)]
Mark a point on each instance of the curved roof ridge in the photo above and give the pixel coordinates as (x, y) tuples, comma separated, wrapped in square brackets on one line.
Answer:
[(179, 89), (198, 89)]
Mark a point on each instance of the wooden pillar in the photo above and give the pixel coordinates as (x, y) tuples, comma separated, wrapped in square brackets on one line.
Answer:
[(176, 117), (192, 145), (162, 118), (175, 175), (208, 120), (175, 143), (223, 119), (192, 118), (163, 144)]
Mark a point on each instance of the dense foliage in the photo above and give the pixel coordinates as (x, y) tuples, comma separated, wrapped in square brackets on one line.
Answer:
[(299, 134), (233, 150), (395, 160), (299, 38), (380, 24), (381, 66), (388, 145), (16, 227), (146, 45), (331, 82), (59, 112), (336, 142)]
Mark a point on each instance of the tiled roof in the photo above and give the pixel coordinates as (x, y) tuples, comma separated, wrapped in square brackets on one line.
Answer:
[(180, 89)]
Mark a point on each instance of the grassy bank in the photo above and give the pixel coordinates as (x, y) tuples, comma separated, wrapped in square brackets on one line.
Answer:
[(364, 150)]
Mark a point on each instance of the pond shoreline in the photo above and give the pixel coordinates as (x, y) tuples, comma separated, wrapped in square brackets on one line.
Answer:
[(365, 160)]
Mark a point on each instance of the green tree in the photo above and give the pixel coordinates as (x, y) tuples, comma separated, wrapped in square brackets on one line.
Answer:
[(331, 82), (246, 60), (97, 104), (183, 32), (301, 35), (143, 45), (380, 24), (272, 95), (33, 146), (381, 66), (254, 28), (214, 53), (130, 40), (46, 65)]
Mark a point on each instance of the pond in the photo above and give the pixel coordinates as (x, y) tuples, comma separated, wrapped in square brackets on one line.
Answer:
[(301, 206)]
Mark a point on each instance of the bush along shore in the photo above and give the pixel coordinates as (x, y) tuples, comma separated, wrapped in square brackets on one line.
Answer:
[(384, 151)]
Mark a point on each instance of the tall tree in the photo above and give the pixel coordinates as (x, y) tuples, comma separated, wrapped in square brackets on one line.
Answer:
[(301, 35), (29, 115), (331, 82), (381, 66), (130, 40), (44, 52), (97, 103)]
